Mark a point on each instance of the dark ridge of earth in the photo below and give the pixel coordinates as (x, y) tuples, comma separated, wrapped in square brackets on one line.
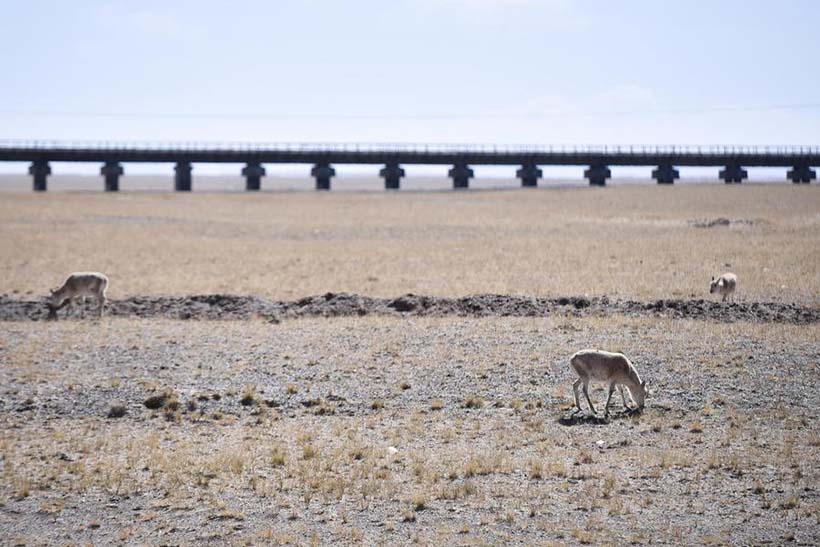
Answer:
[(221, 306)]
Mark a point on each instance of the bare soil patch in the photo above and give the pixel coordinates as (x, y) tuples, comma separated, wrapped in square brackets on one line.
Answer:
[(222, 306)]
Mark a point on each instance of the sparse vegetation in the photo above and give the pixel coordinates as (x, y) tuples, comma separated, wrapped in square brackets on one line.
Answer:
[(167, 400), (536, 469), (452, 457), (333, 448), (473, 401), (248, 398), (419, 502)]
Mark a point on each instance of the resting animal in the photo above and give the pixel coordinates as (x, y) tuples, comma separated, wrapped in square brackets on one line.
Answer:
[(603, 366)]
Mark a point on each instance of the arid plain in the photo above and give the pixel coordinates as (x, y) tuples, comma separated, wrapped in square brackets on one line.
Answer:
[(399, 428)]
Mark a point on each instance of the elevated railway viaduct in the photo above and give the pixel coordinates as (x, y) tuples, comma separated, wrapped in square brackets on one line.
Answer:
[(731, 161)]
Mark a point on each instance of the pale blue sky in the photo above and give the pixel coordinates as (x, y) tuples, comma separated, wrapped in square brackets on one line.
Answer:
[(485, 71)]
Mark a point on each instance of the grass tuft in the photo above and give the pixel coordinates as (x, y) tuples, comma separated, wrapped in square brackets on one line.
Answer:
[(473, 401)]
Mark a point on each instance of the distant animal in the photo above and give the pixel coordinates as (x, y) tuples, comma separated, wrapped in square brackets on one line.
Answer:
[(78, 285), (604, 366), (724, 285)]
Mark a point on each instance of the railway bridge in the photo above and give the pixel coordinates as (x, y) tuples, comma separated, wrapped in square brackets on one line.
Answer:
[(731, 161)]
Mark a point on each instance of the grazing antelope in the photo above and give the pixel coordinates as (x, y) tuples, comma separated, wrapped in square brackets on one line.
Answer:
[(603, 366), (78, 284), (725, 285)]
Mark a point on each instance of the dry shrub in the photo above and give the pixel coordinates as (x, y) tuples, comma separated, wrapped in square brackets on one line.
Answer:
[(536, 469), (419, 502), (248, 397), (277, 456), (167, 401), (473, 401)]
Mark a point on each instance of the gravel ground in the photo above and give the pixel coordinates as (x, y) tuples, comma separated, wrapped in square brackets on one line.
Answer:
[(223, 306), (399, 428)]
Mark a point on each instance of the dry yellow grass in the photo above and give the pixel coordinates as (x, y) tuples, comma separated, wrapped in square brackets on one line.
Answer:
[(628, 241)]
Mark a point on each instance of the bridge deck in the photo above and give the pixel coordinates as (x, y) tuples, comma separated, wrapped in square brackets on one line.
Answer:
[(733, 159), (748, 156)]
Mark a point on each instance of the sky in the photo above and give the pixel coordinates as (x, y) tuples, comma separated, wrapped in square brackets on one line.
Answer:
[(432, 71)]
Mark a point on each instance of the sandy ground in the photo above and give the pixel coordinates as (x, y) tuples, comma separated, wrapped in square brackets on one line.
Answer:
[(641, 242)]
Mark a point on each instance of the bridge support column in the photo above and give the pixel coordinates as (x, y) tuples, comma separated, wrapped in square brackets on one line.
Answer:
[(253, 173), (323, 173), (801, 174), (40, 170), (461, 175), (392, 174), (665, 174), (733, 173), (597, 175), (529, 173), (111, 171), (182, 178)]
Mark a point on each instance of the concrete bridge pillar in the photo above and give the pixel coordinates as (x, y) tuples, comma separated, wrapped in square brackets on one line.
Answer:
[(40, 170), (392, 173), (529, 175), (323, 173), (253, 173), (461, 175), (733, 173), (597, 174), (182, 178), (802, 174), (665, 174), (111, 171)]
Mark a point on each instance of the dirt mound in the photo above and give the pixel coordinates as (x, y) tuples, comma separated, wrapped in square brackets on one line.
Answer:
[(222, 306)]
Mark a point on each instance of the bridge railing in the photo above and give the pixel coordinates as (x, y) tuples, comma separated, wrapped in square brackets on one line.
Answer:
[(418, 148)]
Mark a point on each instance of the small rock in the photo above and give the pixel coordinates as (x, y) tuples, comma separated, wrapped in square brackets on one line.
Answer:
[(116, 411)]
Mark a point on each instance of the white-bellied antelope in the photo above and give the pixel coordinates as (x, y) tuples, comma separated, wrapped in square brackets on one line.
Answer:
[(612, 368), (78, 284), (724, 285)]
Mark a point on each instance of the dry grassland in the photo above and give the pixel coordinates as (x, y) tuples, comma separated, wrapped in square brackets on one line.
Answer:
[(638, 242), (433, 431), (400, 430)]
